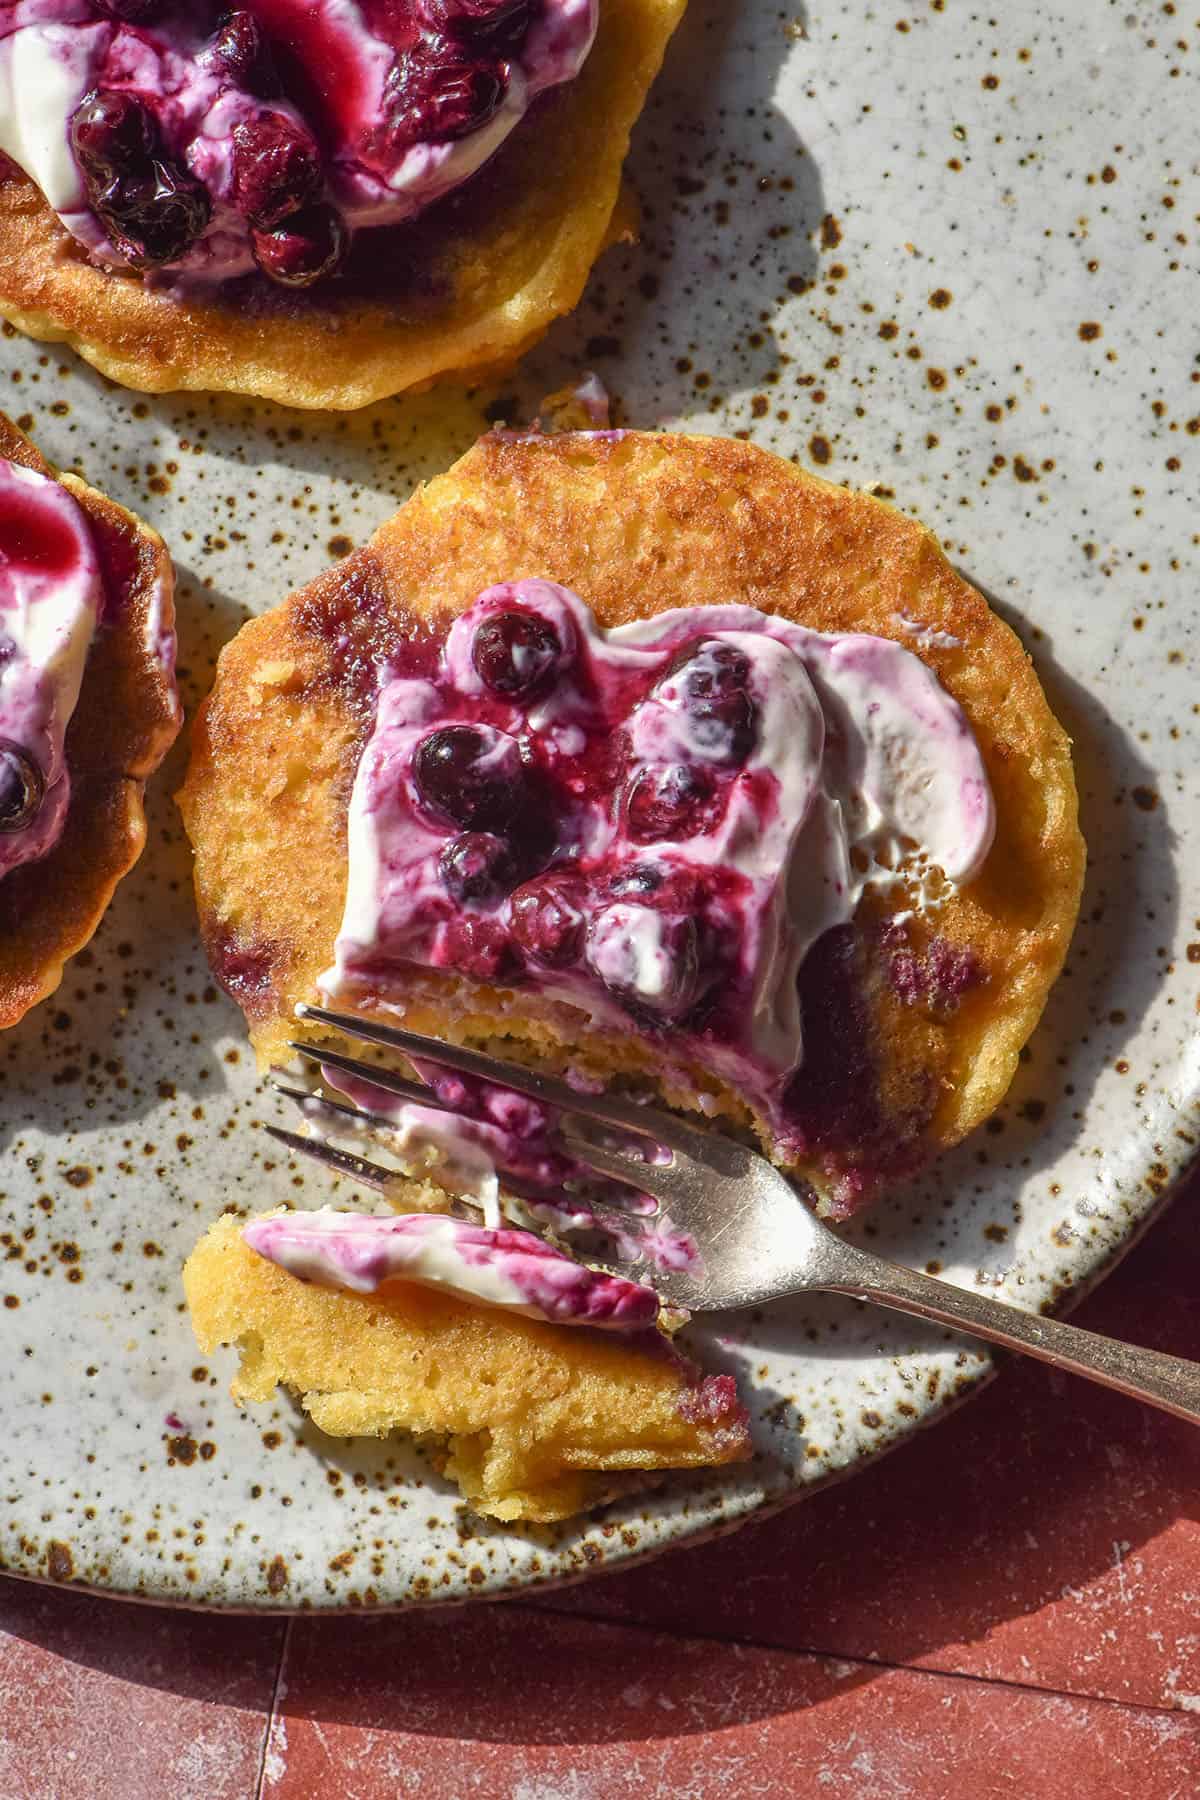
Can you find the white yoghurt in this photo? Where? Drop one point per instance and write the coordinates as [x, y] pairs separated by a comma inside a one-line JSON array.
[[511, 1270]]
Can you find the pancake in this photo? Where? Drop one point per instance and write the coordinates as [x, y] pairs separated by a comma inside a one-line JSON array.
[[127, 717], [541, 1421], [478, 278], [913, 1024]]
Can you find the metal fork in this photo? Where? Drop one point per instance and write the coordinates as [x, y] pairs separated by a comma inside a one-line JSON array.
[[756, 1239]]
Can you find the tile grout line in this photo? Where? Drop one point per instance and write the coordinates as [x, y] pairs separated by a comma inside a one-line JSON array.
[[284, 1646], [861, 1662]]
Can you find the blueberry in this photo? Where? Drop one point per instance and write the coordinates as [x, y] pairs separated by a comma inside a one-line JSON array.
[[112, 134], [470, 775], [154, 218], [671, 802], [237, 49], [641, 878], [307, 246], [713, 681], [276, 169], [499, 25], [152, 210], [438, 92], [22, 787], [547, 921], [476, 866], [516, 654], [650, 960], [247, 968], [480, 948], [669, 886]]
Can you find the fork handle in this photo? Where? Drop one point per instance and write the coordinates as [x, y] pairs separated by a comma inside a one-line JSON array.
[[1169, 1382]]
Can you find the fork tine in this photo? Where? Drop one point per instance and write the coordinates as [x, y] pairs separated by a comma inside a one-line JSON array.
[[368, 1174], [305, 1097], [372, 1175], [661, 1180], [609, 1109], [342, 1162], [622, 1165], [370, 1072]]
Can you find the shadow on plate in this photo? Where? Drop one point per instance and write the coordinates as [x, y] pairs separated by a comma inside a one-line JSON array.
[[759, 222]]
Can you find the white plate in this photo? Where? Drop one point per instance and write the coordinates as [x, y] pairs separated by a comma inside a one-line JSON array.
[[813, 188]]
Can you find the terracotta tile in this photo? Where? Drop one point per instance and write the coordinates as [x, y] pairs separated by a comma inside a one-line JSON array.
[[515, 1705], [106, 1701], [1047, 1534]]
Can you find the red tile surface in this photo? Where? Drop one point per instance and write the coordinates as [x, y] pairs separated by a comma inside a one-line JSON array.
[[104, 1701], [515, 1705], [1048, 1534]]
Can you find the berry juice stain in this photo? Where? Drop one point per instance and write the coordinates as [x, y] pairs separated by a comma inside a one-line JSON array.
[[34, 540]]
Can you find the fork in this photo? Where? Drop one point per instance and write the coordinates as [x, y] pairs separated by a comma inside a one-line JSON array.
[[756, 1240]]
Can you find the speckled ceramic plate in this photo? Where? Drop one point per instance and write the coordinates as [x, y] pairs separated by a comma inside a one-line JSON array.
[[948, 256]]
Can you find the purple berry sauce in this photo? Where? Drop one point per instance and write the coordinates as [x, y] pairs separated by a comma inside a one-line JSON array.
[[246, 968], [934, 980]]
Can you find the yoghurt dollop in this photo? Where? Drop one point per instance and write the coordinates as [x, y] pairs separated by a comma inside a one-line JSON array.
[[51, 596], [513, 1270], [654, 824], [183, 137]]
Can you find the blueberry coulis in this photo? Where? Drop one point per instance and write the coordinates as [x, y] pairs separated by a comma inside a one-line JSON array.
[[654, 826], [211, 142]]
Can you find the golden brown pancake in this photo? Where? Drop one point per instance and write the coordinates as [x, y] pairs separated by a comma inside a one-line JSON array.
[[899, 1065], [126, 720], [541, 1420], [483, 274]]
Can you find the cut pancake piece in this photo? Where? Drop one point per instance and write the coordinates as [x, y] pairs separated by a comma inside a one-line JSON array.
[[914, 1008], [123, 721], [540, 1421]]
